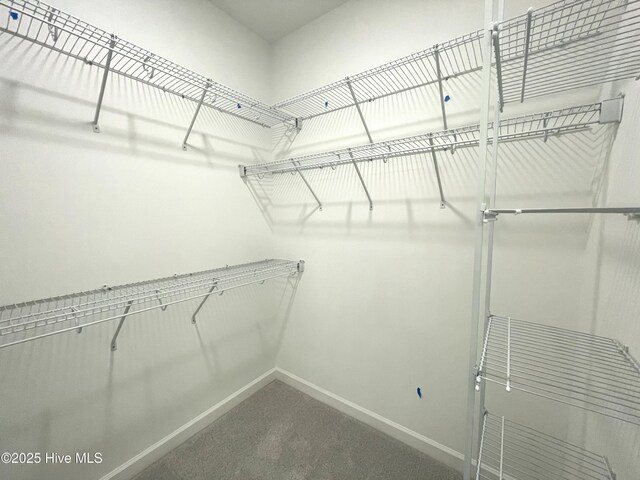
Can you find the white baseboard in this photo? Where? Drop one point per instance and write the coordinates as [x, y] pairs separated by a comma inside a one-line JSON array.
[[436, 450], [156, 451]]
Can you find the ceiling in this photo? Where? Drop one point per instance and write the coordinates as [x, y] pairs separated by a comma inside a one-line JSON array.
[[274, 19]]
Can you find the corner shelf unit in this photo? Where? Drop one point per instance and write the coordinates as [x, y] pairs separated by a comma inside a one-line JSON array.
[[47, 26], [525, 127], [509, 450], [28, 321], [587, 371]]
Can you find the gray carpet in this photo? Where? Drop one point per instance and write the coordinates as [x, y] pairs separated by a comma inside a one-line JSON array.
[[281, 433]]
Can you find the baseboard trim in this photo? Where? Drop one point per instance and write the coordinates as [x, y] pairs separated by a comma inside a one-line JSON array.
[[156, 451], [436, 450]]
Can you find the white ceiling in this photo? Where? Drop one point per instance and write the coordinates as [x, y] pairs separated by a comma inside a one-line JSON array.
[[274, 19]]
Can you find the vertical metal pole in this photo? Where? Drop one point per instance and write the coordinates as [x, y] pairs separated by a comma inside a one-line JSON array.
[[103, 86], [361, 180], [527, 41], [355, 100], [307, 184], [114, 345], [509, 354], [435, 165], [193, 317], [195, 114], [502, 451], [484, 426], [496, 45], [439, 73], [479, 244]]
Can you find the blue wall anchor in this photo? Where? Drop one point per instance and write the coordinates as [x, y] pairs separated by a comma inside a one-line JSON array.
[[447, 98], [13, 15], [419, 391]]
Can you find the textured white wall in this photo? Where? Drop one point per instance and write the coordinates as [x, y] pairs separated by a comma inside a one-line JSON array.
[[79, 210]]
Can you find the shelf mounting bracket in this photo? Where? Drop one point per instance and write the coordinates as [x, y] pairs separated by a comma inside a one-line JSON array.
[[114, 344], [213, 287], [355, 101], [496, 46], [436, 55], [103, 85], [295, 165], [527, 44], [443, 204], [195, 114], [364, 185]]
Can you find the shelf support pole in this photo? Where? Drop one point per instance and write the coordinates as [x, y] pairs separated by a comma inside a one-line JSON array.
[[436, 55], [195, 115], [355, 101], [114, 344], [307, 184], [364, 185], [496, 46], [443, 204], [213, 287], [527, 42], [103, 85]]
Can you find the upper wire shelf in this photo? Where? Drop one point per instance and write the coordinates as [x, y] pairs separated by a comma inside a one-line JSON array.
[[578, 369], [567, 45], [47, 26], [440, 62], [509, 450], [41, 318], [538, 125]]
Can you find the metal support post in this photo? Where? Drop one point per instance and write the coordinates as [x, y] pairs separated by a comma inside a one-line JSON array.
[[307, 184], [114, 345], [496, 46], [103, 86], [527, 44], [436, 55], [195, 115], [361, 180], [355, 101], [435, 165]]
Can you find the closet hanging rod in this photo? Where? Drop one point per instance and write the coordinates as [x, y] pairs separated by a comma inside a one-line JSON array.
[[590, 372], [28, 321], [510, 450], [49, 27], [539, 125], [631, 212]]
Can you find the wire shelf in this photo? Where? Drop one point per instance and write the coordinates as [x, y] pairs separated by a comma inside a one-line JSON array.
[[523, 127], [569, 44], [578, 369], [47, 26], [41, 318], [509, 450], [441, 62]]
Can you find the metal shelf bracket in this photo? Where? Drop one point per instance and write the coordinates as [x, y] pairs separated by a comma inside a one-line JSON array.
[[103, 85], [195, 114], [436, 56], [295, 165], [355, 101], [443, 203], [364, 185], [527, 44], [213, 287], [496, 46], [114, 344]]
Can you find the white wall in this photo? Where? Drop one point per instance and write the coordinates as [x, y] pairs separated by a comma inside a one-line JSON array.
[[386, 304], [79, 210]]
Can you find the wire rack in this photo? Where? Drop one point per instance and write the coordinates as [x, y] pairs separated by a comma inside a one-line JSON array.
[[440, 62], [568, 44], [41, 318], [47, 26], [591, 372], [539, 125], [509, 450]]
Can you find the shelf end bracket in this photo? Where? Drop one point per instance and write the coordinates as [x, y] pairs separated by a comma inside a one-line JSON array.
[[103, 85]]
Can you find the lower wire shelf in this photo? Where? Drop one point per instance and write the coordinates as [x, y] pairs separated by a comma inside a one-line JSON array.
[[509, 450], [27, 321], [579, 369]]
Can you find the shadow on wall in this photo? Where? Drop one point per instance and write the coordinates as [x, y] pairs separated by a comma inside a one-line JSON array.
[[132, 118], [163, 362], [567, 170]]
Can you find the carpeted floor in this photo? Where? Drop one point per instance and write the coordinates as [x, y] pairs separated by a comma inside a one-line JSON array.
[[281, 433]]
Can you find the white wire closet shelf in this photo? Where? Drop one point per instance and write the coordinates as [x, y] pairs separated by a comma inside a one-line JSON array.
[[594, 373], [41, 318], [509, 450], [45, 25], [567, 45], [538, 125]]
